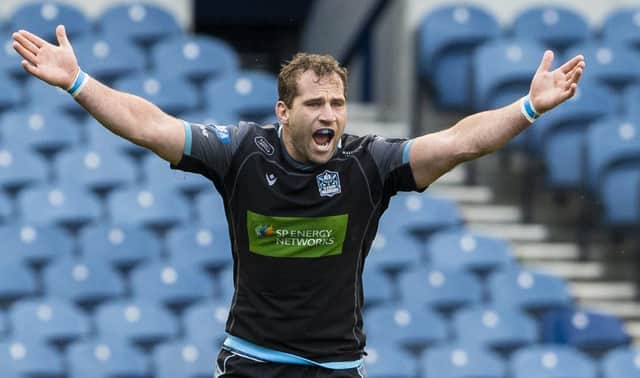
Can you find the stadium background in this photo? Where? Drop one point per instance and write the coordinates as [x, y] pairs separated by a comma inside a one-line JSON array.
[[522, 264]]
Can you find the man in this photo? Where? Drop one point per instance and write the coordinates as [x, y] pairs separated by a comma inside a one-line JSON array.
[[302, 198]]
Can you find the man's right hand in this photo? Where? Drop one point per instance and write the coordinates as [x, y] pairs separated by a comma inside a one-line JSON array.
[[56, 65]]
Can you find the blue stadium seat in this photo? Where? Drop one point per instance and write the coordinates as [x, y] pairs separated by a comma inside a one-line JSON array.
[[465, 250], [34, 244], [388, 361], [157, 172], [392, 252], [503, 329], [446, 39], [584, 329], [195, 57], [205, 321], [461, 361], [4, 324], [171, 94], [440, 289], [420, 214], [138, 321], [94, 169], [171, 284], [205, 247], [41, 95], [143, 23], [17, 281], [42, 17], [11, 93], [39, 128], [503, 70], [64, 205], [84, 281], [6, 207], [555, 27], [9, 59], [528, 290], [613, 158], [20, 168], [107, 58], [377, 287], [614, 64], [551, 361], [49, 320], [99, 137], [629, 102], [411, 326], [184, 359], [225, 285], [621, 26], [210, 209], [147, 207], [123, 246], [250, 94], [101, 358], [621, 363], [30, 358]]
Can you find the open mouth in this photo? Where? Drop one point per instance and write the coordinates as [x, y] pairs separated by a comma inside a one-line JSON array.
[[323, 137]]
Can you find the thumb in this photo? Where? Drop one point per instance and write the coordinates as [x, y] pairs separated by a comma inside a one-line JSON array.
[[61, 34], [547, 60]]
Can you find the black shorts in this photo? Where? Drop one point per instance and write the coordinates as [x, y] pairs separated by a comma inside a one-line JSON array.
[[232, 365]]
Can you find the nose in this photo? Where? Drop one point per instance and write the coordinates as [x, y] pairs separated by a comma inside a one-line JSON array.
[[327, 114]]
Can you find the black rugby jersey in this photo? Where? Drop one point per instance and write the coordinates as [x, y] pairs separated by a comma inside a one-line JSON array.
[[299, 233]]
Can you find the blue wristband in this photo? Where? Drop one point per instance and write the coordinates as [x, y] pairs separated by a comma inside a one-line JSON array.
[[79, 82], [528, 110]]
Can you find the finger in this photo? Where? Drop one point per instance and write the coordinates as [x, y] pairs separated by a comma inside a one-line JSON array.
[[25, 43], [61, 35], [25, 53], [547, 60], [39, 42], [569, 65], [30, 68], [571, 91], [576, 75]]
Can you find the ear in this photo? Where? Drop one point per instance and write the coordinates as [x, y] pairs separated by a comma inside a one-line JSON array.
[[282, 112]]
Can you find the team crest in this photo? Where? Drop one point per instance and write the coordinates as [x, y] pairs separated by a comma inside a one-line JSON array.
[[328, 183]]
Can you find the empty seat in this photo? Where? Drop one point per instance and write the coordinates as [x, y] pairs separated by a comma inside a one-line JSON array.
[[147, 207], [64, 205], [465, 250], [251, 94], [102, 358], [446, 38], [556, 27], [551, 361], [614, 64], [621, 26], [169, 283], [200, 246], [584, 329], [158, 173], [99, 137], [503, 329], [527, 290], [443, 290], [621, 362], [108, 58], [11, 93], [136, 320], [50, 320], [123, 246], [20, 168], [184, 359], [377, 287], [9, 57], [205, 321], [210, 209], [139, 22], [194, 57], [94, 169], [6, 207], [461, 361], [34, 244], [30, 359], [387, 361], [38, 128], [83, 281], [17, 281], [41, 95], [171, 94], [393, 252], [42, 17]]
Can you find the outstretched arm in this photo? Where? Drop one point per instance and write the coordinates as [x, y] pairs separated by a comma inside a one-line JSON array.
[[434, 154], [128, 116]]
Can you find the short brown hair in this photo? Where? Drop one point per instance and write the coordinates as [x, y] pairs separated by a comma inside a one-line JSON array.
[[321, 65]]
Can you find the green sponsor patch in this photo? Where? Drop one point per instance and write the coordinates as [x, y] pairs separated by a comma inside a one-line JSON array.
[[296, 236]]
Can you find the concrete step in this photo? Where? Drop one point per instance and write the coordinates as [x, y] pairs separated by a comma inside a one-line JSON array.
[[546, 251], [512, 232], [571, 270], [627, 310], [463, 194], [456, 176], [604, 290], [633, 329], [490, 213]]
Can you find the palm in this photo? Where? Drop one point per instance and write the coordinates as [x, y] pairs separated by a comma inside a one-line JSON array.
[[550, 88]]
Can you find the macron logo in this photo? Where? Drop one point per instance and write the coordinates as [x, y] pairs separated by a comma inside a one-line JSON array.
[[271, 178]]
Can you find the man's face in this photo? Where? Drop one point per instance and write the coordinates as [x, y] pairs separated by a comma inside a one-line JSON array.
[[316, 120]]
